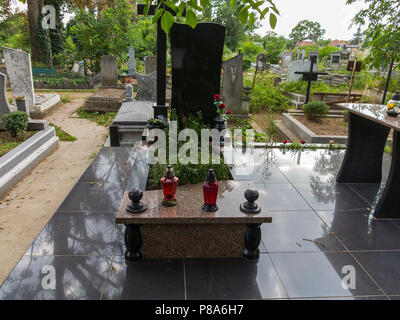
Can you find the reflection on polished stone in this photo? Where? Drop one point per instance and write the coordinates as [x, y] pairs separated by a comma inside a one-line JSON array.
[[148, 279], [230, 279], [298, 231], [376, 112], [56, 277], [77, 234], [358, 230], [317, 274]]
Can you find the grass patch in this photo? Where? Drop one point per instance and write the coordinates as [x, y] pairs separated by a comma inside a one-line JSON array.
[[62, 135], [65, 98], [102, 119], [7, 142]]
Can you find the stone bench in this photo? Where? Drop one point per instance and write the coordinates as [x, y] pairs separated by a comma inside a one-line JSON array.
[[186, 231]]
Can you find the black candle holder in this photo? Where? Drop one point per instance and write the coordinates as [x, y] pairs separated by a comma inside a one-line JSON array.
[[250, 206], [136, 206]]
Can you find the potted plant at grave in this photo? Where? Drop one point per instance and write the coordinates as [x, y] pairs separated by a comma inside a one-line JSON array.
[[220, 122], [155, 123], [393, 107], [20, 101]]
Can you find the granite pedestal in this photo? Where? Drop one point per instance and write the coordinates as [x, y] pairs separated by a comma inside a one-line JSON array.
[[186, 231]]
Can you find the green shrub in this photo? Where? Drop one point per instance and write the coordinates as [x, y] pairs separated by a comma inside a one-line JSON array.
[[314, 109], [266, 96], [15, 122], [246, 64]]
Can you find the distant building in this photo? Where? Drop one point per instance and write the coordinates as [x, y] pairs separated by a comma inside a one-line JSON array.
[[306, 43], [338, 44]]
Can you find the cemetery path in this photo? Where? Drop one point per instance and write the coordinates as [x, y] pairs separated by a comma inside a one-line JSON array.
[[26, 209]]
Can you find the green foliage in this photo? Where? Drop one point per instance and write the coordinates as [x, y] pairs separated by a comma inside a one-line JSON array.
[[111, 33], [188, 173], [266, 96], [315, 109], [325, 52], [14, 31], [248, 11], [15, 122], [56, 81], [220, 11], [382, 35], [246, 64], [274, 46], [306, 29], [250, 50]]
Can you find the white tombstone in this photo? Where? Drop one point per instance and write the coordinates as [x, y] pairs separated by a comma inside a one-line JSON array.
[[19, 69], [75, 67], [286, 59], [299, 66]]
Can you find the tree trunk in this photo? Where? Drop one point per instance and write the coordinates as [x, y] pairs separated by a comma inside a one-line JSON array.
[[33, 18]]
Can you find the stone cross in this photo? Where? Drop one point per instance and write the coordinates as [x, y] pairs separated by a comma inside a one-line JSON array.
[[132, 65], [4, 107], [232, 84], [19, 69]]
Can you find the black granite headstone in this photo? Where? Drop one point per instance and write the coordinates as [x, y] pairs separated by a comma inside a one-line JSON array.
[[196, 56]]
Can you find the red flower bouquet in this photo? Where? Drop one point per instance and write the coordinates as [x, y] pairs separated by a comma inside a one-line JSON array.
[[221, 107]]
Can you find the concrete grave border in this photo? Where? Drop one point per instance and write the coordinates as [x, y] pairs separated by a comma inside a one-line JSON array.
[[17, 163], [304, 133]]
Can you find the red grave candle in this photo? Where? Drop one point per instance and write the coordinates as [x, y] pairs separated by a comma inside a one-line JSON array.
[[169, 185], [210, 192]]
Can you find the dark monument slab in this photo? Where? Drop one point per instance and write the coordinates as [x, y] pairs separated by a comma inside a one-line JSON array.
[[196, 56]]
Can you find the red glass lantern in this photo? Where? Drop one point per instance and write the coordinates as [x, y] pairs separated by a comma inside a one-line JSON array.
[[169, 185], [210, 192]]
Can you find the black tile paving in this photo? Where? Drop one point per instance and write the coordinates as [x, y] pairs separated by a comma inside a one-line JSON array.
[[319, 229]]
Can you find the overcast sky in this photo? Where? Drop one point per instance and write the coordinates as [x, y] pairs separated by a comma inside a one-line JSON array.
[[333, 15]]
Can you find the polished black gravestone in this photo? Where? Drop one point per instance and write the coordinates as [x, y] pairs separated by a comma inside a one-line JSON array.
[[196, 68]]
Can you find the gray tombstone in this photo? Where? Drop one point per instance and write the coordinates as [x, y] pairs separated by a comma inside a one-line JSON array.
[[109, 71], [132, 65], [128, 92], [4, 107], [19, 69], [335, 60], [232, 84], [150, 64], [313, 53], [286, 59], [299, 66], [147, 87], [261, 62]]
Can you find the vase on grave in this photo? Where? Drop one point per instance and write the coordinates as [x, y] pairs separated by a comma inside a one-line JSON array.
[[210, 192], [169, 185], [21, 105], [220, 124]]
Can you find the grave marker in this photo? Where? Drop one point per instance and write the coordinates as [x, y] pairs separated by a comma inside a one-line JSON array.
[[196, 59], [132, 64], [232, 84], [4, 107], [286, 59], [150, 64], [109, 71], [19, 69]]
